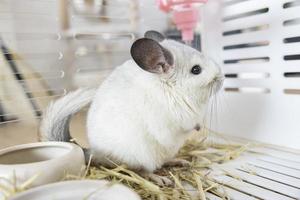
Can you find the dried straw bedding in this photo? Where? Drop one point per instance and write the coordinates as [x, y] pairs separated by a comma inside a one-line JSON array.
[[193, 181]]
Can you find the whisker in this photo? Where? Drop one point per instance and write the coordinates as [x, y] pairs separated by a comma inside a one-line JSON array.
[[211, 110], [217, 111]]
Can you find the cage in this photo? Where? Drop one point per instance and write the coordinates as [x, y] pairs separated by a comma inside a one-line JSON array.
[[50, 47]]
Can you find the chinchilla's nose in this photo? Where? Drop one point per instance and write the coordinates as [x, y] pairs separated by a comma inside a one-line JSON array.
[[219, 77], [218, 82]]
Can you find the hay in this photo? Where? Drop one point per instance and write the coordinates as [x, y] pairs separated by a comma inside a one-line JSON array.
[[189, 181], [9, 187]]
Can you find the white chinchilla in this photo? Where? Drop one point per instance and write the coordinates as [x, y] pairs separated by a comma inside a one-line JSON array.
[[143, 112]]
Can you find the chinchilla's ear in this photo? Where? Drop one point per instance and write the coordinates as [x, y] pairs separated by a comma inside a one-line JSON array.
[[154, 35], [151, 56]]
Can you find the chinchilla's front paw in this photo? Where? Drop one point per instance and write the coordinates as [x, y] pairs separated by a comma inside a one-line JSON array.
[[177, 162]]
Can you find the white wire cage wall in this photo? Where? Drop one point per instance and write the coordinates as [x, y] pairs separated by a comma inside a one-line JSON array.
[[50, 47], [256, 42]]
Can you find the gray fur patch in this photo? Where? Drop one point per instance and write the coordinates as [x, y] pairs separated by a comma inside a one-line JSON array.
[[154, 35], [151, 56]]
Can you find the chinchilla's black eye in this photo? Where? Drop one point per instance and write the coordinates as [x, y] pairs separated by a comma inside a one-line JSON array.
[[196, 70]]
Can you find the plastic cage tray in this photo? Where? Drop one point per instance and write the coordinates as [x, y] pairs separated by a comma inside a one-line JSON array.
[[265, 172]]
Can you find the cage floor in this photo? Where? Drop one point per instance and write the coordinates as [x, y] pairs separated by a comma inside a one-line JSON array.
[[21, 132], [261, 173]]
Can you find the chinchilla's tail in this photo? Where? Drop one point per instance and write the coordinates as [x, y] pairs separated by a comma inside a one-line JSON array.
[[55, 123]]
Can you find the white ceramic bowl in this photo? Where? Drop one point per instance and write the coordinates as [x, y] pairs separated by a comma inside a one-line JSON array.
[[49, 160], [79, 190]]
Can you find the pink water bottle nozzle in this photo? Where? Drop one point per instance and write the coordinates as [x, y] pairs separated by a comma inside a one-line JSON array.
[[186, 21], [185, 15]]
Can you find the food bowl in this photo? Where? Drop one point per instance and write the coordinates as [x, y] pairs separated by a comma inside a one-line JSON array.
[[78, 190], [47, 161]]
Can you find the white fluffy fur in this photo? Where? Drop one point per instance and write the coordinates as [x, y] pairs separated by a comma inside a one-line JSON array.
[[55, 123], [141, 118]]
